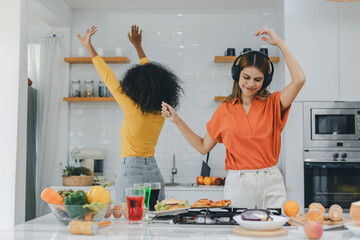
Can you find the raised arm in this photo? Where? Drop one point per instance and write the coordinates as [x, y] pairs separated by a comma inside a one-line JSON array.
[[135, 38], [289, 93], [86, 41], [202, 145]]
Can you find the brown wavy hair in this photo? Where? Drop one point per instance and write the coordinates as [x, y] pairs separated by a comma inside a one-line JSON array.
[[248, 60]]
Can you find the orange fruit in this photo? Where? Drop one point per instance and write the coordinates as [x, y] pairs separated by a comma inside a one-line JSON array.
[[291, 208], [213, 180], [207, 180], [200, 180]]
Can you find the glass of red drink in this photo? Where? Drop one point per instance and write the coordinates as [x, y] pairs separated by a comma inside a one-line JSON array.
[[135, 197]]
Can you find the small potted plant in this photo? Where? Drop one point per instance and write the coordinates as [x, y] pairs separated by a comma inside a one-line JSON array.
[[77, 176]]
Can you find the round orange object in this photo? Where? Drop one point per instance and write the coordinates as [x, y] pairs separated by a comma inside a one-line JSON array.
[[213, 180], [291, 208], [207, 181]]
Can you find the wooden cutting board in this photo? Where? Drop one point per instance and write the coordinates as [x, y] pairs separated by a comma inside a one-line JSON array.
[[301, 219], [253, 233]]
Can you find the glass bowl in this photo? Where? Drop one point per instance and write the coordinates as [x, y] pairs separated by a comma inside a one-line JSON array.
[[78, 212]]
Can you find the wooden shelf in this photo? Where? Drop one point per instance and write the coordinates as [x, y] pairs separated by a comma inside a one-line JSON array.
[[219, 98], [89, 99], [82, 60], [231, 59]]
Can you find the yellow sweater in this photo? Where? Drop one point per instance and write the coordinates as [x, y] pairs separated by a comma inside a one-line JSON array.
[[139, 133]]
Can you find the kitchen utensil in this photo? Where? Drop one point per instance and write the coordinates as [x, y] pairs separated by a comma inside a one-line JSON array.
[[86, 228], [63, 216], [336, 228], [171, 212], [205, 169], [276, 223], [253, 233], [301, 219]]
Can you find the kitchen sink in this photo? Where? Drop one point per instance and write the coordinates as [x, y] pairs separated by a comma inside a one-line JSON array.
[[180, 185]]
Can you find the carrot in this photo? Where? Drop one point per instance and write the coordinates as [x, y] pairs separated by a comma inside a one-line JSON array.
[[89, 216], [104, 224], [51, 196]]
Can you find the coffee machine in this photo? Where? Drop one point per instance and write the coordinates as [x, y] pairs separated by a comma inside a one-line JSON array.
[[90, 158]]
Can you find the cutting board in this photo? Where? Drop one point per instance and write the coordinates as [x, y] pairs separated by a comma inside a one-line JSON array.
[[253, 233], [301, 219]]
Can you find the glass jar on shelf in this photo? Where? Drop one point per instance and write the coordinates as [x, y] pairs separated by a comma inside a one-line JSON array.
[[108, 93], [101, 89], [75, 88], [89, 88]]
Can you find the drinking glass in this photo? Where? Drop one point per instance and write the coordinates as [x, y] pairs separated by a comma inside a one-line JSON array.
[[135, 197], [154, 195], [147, 187]]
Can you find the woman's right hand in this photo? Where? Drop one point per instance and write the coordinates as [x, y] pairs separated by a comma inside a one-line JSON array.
[[86, 40], [135, 36], [168, 112]]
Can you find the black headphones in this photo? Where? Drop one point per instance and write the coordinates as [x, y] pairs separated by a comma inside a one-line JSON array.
[[235, 69]]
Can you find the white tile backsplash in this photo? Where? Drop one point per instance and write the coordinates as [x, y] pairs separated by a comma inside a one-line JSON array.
[[185, 41]]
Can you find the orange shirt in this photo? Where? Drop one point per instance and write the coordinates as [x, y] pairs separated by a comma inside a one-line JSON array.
[[252, 140]]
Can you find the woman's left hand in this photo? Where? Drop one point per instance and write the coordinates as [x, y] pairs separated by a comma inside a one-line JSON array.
[[86, 40], [273, 39]]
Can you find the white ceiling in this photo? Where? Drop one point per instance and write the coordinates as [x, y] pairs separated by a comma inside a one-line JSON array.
[[169, 4]]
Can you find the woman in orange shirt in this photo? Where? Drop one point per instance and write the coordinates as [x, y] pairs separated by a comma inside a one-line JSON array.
[[249, 123]]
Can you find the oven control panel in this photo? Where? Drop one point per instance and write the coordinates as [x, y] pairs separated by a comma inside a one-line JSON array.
[[335, 155]]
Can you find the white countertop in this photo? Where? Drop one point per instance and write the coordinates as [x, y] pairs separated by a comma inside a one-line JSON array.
[[171, 188], [47, 227]]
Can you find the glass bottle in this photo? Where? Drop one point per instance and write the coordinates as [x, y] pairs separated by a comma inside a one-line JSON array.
[[102, 89], [89, 88], [75, 85]]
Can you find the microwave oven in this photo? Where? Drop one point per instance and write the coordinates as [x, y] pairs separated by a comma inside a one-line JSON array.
[[331, 124]]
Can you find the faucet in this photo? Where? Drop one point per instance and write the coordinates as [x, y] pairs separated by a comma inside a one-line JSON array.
[[173, 170]]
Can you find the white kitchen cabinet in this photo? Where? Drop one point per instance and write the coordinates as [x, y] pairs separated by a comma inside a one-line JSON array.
[[311, 33], [349, 51], [193, 194]]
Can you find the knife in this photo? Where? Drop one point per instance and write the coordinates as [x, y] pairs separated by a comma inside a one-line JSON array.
[[336, 228]]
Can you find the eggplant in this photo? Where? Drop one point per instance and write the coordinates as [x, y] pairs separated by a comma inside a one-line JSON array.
[[256, 215]]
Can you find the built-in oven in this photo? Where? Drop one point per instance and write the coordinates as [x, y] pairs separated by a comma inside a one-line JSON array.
[[331, 153], [331, 124], [332, 177]]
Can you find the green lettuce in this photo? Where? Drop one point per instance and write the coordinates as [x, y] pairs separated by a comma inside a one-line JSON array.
[[161, 206], [96, 207]]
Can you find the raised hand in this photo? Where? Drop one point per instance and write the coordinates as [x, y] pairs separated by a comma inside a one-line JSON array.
[[86, 40], [168, 112], [273, 39], [135, 36]]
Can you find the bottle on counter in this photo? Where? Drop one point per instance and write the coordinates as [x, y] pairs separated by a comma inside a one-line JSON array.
[[75, 86], [101, 89], [89, 88]]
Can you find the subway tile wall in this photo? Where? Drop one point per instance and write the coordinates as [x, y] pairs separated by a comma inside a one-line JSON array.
[[185, 41]]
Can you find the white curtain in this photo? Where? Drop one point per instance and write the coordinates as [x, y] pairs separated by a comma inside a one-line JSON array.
[[49, 100]]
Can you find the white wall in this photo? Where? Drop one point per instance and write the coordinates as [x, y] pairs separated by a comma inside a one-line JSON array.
[[187, 42], [13, 107]]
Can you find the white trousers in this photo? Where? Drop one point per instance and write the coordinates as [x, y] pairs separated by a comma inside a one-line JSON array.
[[261, 188]]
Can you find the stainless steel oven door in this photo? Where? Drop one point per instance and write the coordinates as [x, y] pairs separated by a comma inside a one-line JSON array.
[[334, 124], [332, 183]]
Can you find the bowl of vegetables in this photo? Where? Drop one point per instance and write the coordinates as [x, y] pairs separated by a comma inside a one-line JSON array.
[[69, 205]]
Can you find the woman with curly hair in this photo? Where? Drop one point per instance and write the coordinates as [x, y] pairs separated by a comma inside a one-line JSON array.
[[139, 94]]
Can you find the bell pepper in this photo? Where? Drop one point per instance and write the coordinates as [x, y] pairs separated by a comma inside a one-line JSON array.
[[98, 194], [74, 204]]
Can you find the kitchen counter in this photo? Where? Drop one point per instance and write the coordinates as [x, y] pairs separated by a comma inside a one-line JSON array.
[[172, 188], [47, 227]]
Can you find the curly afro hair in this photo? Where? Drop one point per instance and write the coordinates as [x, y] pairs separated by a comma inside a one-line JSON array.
[[150, 84]]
